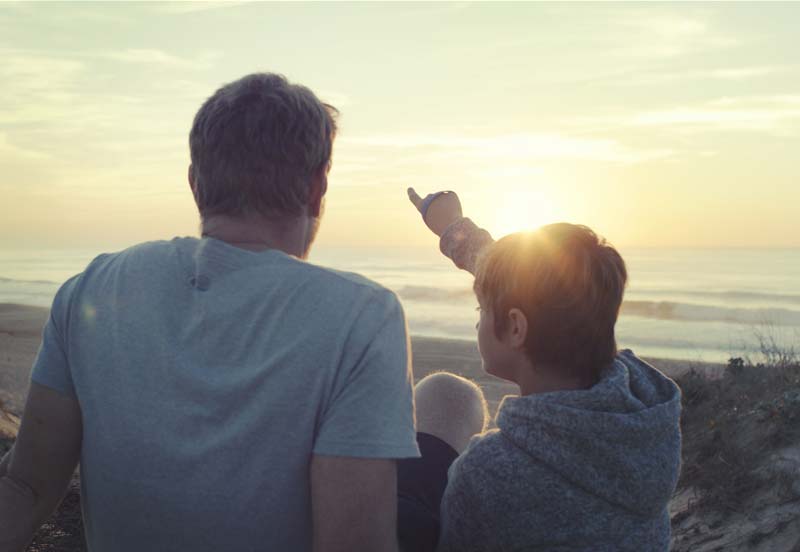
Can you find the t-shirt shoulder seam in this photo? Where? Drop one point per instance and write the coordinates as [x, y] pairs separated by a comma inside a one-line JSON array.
[[110, 257], [351, 277]]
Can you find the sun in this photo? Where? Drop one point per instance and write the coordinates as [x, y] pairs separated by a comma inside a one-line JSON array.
[[521, 209]]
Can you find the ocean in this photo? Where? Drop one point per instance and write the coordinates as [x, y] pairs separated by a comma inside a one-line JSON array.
[[691, 304]]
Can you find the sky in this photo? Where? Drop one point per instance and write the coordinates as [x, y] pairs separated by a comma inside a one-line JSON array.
[[657, 124]]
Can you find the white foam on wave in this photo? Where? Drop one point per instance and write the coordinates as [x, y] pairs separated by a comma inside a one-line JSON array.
[[668, 310]]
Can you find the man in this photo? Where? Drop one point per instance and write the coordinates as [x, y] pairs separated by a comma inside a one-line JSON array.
[[222, 393]]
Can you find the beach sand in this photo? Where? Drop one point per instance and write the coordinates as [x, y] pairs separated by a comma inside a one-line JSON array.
[[20, 331], [20, 335], [21, 328]]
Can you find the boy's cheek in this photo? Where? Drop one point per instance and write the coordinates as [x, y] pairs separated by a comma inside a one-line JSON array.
[[485, 349]]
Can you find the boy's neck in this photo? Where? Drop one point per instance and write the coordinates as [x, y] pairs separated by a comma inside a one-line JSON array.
[[545, 379]]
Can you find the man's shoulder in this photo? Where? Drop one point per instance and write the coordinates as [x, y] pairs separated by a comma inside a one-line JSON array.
[[346, 286], [351, 278], [95, 271], [153, 250], [105, 261]]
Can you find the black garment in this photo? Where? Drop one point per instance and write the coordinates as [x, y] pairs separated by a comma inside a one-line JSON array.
[[420, 486]]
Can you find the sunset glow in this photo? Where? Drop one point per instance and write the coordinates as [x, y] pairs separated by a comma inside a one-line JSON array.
[[655, 124], [520, 209]]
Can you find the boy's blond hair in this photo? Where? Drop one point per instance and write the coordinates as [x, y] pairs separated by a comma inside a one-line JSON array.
[[569, 284]]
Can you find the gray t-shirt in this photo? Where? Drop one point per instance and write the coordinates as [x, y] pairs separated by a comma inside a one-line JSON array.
[[207, 376]]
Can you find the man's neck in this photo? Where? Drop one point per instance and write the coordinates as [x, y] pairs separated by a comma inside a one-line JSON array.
[[257, 233]]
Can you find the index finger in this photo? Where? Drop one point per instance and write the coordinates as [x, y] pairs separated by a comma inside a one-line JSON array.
[[413, 196]]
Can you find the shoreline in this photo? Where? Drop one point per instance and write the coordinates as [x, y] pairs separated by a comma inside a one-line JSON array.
[[21, 327]]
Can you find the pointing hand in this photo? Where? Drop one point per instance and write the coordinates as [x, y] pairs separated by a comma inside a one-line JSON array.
[[439, 210]]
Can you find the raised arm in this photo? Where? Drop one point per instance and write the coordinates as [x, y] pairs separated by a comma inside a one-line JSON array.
[[460, 239], [34, 475]]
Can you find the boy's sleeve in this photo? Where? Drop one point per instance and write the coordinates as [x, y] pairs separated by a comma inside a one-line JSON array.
[[463, 242], [51, 367], [371, 410]]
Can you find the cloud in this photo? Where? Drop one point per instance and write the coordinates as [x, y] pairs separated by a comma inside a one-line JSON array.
[[519, 146], [57, 94], [740, 73], [648, 78], [180, 8], [35, 72], [774, 100], [432, 9], [37, 87], [143, 55], [772, 113], [11, 151], [62, 110], [668, 35], [62, 12], [153, 57]]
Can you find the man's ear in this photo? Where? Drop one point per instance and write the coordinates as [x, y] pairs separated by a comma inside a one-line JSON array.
[[517, 331], [319, 186], [192, 182]]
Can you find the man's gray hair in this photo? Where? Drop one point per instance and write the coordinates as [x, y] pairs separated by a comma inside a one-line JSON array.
[[255, 145]]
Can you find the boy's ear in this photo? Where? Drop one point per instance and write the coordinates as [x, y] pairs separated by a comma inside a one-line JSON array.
[[517, 328]]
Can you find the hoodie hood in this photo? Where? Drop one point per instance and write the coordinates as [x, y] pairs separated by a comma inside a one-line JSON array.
[[619, 440]]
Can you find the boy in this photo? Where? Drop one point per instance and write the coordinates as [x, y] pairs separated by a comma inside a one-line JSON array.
[[587, 457]]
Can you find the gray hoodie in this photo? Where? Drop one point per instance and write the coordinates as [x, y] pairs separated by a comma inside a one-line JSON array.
[[571, 470]]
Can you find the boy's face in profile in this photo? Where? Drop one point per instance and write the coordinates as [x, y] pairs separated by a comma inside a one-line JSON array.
[[495, 353]]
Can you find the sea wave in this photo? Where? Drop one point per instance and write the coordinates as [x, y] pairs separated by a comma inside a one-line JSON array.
[[435, 294], [21, 282], [734, 295], [660, 310], [668, 310], [440, 294]]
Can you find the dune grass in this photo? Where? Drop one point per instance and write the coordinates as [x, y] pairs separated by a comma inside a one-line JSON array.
[[733, 425]]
